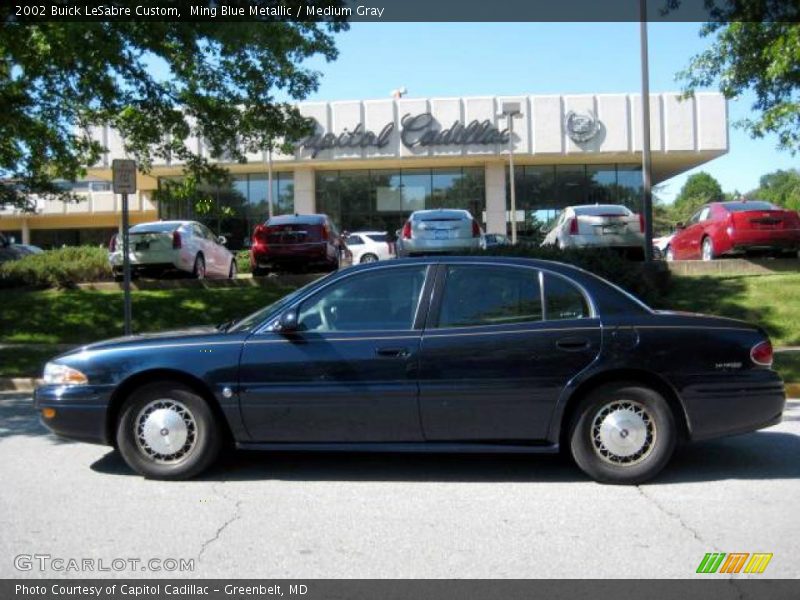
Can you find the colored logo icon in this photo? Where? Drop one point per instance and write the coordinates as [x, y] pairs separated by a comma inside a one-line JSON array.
[[734, 562]]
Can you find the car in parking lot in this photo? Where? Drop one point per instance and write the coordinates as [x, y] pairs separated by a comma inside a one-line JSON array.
[[735, 228], [296, 242], [369, 246], [438, 231], [447, 354], [493, 240], [597, 225], [178, 246]]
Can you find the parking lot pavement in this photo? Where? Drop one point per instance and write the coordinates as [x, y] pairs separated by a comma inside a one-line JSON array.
[[345, 515]]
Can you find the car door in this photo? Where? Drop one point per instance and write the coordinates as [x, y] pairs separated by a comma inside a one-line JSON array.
[[349, 374], [500, 345], [220, 254], [692, 235], [356, 245]]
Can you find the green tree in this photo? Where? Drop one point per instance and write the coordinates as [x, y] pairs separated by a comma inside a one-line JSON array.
[[756, 46], [699, 189], [58, 79], [779, 187]]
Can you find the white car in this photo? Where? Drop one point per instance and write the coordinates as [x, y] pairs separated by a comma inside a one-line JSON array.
[[661, 244], [369, 246], [163, 246], [593, 225]]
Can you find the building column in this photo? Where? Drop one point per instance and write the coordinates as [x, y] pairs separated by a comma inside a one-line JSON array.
[[304, 191], [26, 232], [495, 182]]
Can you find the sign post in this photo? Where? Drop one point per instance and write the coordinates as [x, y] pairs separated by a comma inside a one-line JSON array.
[[124, 183]]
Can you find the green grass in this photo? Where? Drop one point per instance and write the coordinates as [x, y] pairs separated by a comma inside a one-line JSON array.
[[82, 316], [788, 365], [772, 301], [26, 361]]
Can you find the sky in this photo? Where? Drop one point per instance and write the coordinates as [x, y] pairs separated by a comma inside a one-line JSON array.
[[496, 59]]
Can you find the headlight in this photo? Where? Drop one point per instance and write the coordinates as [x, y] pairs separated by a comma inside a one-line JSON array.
[[56, 374]]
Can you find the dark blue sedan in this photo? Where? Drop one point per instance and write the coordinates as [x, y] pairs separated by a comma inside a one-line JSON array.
[[434, 355]]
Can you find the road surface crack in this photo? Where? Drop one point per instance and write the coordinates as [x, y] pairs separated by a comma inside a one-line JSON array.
[[237, 514], [677, 517]]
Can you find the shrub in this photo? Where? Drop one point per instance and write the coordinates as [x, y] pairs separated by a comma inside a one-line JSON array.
[[63, 267], [243, 261], [647, 283]]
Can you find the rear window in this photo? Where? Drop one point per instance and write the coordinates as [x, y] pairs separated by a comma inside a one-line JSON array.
[[378, 237], [154, 227], [753, 205], [603, 210], [442, 215]]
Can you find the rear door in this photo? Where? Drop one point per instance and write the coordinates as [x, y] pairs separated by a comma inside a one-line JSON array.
[[501, 344]]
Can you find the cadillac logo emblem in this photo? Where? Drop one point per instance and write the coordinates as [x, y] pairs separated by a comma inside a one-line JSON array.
[[581, 127]]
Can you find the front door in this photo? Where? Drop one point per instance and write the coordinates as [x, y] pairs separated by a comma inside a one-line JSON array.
[[501, 346], [350, 372]]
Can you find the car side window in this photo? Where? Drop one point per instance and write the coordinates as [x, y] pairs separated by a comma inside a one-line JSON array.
[[563, 300], [354, 240], [375, 301], [695, 218], [705, 214], [490, 295]]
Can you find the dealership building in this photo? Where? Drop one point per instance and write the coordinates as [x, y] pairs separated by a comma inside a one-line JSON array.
[[372, 162]]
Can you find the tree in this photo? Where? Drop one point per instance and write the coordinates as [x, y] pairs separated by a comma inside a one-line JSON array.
[[756, 47], [59, 79], [779, 187], [699, 189]]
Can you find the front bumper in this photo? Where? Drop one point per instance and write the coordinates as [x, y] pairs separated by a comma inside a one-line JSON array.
[[81, 411], [734, 404]]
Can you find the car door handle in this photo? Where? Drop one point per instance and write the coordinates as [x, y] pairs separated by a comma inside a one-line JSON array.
[[573, 344], [393, 352]]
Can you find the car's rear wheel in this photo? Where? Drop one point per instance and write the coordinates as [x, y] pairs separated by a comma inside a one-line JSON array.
[[166, 431], [369, 258], [199, 270], [670, 254], [708, 249], [623, 433], [232, 271]]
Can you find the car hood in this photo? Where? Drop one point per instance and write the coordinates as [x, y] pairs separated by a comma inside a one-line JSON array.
[[163, 337]]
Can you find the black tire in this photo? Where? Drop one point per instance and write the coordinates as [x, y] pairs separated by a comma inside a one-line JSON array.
[[232, 272], [369, 257], [199, 269], [203, 439], [707, 241], [259, 272], [633, 464]]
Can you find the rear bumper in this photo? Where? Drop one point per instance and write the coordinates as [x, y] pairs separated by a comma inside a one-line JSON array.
[[261, 256], [765, 240], [81, 411], [411, 247], [603, 241], [737, 405], [155, 260]]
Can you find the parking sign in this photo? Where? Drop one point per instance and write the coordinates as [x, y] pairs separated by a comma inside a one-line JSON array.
[[124, 176]]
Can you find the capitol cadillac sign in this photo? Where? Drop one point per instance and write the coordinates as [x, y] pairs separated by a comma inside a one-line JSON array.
[[422, 130], [415, 131]]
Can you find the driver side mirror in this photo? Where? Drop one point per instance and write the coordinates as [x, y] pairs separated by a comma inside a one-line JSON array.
[[287, 322], [222, 240], [680, 225]]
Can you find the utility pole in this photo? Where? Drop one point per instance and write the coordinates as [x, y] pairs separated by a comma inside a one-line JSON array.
[[647, 192], [124, 183]]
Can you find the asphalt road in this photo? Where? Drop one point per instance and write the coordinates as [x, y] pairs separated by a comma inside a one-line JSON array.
[[307, 516]]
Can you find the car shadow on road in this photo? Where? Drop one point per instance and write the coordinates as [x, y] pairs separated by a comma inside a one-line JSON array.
[[761, 455]]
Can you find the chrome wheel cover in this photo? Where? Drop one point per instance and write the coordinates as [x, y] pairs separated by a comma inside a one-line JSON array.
[[708, 250], [623, 433], [165, 431]]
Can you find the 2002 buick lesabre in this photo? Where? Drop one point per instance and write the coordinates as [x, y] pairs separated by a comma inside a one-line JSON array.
[[449, 354]]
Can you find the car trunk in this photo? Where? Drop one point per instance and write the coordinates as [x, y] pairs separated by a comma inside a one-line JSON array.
[[443, 227], [608, 223], [292, 239], [149, 241], [763, 220]]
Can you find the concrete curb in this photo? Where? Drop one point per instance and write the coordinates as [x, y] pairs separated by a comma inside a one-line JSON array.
[[734, 266]]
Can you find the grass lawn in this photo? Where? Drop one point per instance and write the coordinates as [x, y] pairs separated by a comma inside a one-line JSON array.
[[772, 301]]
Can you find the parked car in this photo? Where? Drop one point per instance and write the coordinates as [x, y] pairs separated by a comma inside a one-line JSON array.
[[11, 251], [597, 225], [28, 249], [164, 246], [493, 240], [294, 242], [369, 246], [445, 354], [436, 231], [736, 227]]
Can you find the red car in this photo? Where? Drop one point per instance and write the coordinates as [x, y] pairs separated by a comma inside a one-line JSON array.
[[736, 227], [296, 242]]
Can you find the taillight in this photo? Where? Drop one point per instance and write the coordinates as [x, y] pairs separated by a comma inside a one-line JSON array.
[[761, 354], [177, 242], [573, 226], [641, 223], [325, 232], [112, 243], [407, 230], [260, 235], [476, 229]]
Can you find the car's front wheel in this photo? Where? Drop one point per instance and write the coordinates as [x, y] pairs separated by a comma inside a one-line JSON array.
[[623, 433], [708, 249], [167, 431], [199, 270]]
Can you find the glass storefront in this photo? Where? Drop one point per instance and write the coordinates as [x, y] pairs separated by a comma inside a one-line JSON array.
[[238, 207], [382, 199], [56, 238], [542, 192]]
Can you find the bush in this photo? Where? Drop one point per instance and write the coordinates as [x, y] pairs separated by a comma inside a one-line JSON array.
[[243, 261], [647, 283], [63, 267]]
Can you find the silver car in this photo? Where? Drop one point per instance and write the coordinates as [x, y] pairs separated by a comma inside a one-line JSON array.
[[593, 225], [439, 231]]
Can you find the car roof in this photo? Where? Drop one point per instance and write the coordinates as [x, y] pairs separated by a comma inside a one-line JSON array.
[[369, 233]]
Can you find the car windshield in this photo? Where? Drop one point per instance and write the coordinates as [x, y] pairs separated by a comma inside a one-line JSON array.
[[752, 205], [252, 321], [154, 227]]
